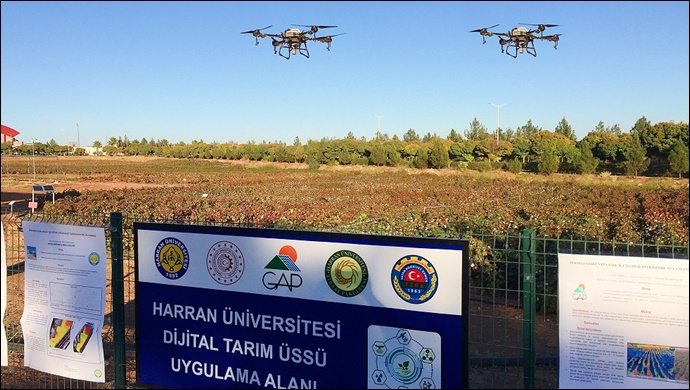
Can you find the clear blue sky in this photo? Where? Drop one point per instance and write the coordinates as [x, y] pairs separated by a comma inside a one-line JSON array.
[[181, 71]]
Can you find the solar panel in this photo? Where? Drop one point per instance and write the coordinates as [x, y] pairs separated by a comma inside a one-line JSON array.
[[44, 188]]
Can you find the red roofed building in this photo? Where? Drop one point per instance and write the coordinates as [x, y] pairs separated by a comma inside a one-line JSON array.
[[8, 134]]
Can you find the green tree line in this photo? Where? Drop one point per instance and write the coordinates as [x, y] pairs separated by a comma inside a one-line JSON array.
[[647, 149]]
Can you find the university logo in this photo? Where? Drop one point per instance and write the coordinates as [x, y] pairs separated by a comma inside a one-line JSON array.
[[346, 273], [94, 258], [225, 262], [172, 258], [414, 279], [283, 270]]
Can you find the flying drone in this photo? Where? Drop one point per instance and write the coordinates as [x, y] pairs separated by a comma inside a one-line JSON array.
[[293, 40], [520, 38]]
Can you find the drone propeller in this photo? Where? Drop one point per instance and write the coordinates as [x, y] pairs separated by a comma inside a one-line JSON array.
[[552, 38], [256, 32], [326, 39], [313, 29], [540, 27], [484, 32], [312, 26]]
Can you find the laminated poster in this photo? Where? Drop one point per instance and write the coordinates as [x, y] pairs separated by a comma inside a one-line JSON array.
[[64, 300]]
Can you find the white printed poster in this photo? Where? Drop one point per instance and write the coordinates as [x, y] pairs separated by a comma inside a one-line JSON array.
[[3, 305], [623, 322], [64, 300]]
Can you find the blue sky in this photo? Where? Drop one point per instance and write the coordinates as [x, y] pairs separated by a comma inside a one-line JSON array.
[[181, 71]]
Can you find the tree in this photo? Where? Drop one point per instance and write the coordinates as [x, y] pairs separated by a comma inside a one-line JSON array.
[[97, 145], [660, 138], [603, 144], [546, 141], [586, 162], [421, 159], [521, 148], [476, 132], [678, 158], [438, 156], [615, 129], [454, 136], [641, 126], [548, 162], [564, 128], [410, 136], [514, 166], [378, 154], [528, 130], [635, 155]]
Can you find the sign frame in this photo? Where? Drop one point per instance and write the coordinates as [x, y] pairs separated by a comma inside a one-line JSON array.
[[215, 310]]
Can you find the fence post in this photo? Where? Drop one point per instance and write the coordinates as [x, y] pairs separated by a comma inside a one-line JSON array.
[[118, 290], [529, 303]]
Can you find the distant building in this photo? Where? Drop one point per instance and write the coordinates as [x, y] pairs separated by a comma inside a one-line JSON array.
[[9, 134]]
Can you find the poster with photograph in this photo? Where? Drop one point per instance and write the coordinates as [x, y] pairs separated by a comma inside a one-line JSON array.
[[64, 300], [623, 322]]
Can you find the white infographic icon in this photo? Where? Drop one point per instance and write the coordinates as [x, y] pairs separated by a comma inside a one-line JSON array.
[[403, 358]]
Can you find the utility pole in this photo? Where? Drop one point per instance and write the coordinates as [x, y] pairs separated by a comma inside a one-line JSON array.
[[498, 119], [78, 143], [378, 131], [33, 157]]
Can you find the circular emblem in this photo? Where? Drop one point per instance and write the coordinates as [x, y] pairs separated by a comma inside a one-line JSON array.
[[172, 258], [225, 262], [414, 279], [94, 258], [346, 273], [404, 365]]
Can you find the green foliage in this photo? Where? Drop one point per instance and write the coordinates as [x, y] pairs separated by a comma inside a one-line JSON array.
[[481, 165], [660, 138], [528, 130], [438, 156], [636, 160], [421, 159], [564, 129], [477, 131], [678, 159], [585, 162], [483, 270], [548, 163], [378, 154], [514, 166]]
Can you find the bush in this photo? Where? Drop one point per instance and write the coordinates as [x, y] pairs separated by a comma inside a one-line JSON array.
[[513, 166]]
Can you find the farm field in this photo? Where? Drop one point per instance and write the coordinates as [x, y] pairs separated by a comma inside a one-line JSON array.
[[358, 199], [377, 200]]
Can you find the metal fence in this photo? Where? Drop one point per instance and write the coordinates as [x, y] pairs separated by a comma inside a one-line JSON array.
[[513, 313]]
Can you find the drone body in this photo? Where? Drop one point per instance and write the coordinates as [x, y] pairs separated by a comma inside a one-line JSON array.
[[293, 40], [521, 39]]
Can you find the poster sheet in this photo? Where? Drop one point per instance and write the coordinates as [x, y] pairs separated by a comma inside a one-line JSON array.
[[623, 322], [3, 303], [64, 299], [222, 307]]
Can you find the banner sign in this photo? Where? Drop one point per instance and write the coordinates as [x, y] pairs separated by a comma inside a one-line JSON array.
[[228, 307]]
